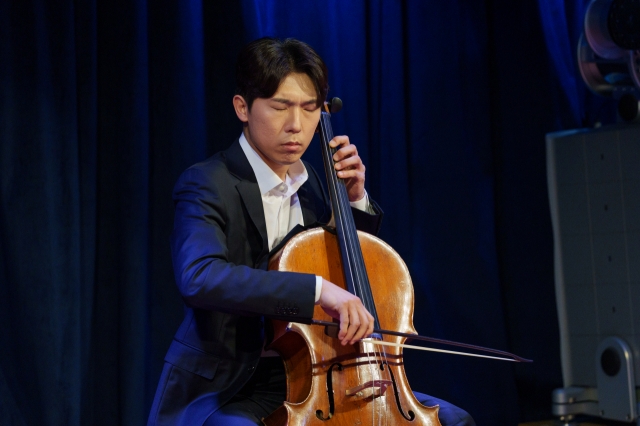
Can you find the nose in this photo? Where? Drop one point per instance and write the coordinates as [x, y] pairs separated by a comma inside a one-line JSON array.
[[294, 124]]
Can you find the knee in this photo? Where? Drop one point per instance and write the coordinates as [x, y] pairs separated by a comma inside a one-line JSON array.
[[448, 414]]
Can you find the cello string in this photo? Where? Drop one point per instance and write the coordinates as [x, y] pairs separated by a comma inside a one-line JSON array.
[[368, 364], [355, 256], [339, 192], [338, 215], [344, 223], [353, 266], [338, 209], [379, 404], [362, 285], [357, 272]]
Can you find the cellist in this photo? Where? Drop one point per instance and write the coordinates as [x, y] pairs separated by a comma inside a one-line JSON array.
[[234, 209]]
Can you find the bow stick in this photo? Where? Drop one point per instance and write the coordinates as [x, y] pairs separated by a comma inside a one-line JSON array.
[[505, 356]]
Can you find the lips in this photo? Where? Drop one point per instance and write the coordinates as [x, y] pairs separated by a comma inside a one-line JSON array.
[[292, 146]]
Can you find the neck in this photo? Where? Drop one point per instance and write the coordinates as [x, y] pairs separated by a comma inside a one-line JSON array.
[[281, 172]]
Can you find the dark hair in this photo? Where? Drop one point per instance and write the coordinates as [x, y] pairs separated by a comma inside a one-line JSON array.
[[264, 63]]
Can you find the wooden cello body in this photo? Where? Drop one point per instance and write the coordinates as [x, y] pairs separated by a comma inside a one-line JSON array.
[[320, 369], [360, 384]]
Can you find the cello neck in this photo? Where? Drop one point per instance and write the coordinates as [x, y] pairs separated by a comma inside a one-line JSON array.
[[355, 273]]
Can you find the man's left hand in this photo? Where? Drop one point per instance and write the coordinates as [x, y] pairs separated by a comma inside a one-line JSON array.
[[349, 166]]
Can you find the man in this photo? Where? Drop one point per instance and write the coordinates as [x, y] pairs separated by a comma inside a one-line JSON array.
[[232, 211]]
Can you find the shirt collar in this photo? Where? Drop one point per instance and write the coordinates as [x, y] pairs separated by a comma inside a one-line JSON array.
[[267, 178]]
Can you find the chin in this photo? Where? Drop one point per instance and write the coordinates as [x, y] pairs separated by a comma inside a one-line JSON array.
[[289, 162]]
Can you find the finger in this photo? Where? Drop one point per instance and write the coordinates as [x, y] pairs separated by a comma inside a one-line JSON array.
[[339, 140], [365, 324], [353, 173], [348, 175], [371, 324], [345, 152], [354, 325], [350, 163], [344, 323]]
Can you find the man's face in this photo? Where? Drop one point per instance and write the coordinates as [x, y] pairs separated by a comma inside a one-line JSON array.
[[280, 128]]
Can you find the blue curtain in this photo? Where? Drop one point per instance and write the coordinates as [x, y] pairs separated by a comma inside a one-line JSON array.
[[104, 103]]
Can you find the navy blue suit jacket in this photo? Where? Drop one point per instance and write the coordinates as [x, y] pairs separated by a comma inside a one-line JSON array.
[[220, 256]]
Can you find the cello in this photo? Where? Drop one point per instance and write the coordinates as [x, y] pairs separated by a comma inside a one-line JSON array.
[[363, 383]]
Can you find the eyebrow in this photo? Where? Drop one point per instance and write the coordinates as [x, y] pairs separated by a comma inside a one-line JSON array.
[[288, 102]]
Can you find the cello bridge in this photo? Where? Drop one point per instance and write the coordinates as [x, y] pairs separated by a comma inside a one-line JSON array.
[[379, 387]]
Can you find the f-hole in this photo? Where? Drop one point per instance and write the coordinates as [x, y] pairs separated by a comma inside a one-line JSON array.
[[319, 413], [412, 415]]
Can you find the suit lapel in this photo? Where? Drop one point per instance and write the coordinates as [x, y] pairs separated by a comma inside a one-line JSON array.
[[250, 193], [308, 203], [314, 206], [248, 189]]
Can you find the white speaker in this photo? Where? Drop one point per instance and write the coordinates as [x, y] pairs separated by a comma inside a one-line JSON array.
[[594, 194]]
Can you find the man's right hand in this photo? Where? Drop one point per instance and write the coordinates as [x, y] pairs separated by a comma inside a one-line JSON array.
[[355, 321]]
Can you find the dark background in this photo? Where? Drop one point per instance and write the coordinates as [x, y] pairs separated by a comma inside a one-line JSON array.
[[104, 103]]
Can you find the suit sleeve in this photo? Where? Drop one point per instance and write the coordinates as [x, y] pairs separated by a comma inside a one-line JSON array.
[[207, 276], [368, 221]]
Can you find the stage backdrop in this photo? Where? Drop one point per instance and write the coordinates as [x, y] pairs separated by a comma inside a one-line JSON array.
[[104, 103]]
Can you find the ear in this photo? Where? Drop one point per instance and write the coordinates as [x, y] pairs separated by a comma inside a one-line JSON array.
[[241, 107]]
